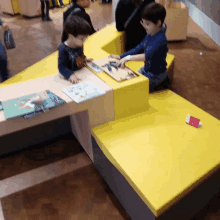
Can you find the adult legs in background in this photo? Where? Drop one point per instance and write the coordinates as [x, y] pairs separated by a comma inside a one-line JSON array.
[[47, 12], [3, 63], [155, 80], [61, 3], [42, 11], [54, 3]]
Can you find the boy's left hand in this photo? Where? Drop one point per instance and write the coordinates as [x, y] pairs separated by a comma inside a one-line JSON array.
[[89, 59], [122, 62]]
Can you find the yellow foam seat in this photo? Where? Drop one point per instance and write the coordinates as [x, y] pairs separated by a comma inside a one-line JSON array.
[[160, 155]]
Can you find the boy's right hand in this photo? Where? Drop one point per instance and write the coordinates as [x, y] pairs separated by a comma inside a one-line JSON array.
[[115, 56], [73, 79]]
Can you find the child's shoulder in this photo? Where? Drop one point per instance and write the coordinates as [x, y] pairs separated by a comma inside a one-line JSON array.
[[161, 37], [62, 47]]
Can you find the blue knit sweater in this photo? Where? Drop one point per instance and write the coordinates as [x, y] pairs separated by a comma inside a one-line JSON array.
[[67, 60], [155, 48]]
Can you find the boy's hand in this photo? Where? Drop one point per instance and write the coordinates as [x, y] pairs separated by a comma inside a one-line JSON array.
[[89, 59], [73, 79], [114, 56], [122, 62]]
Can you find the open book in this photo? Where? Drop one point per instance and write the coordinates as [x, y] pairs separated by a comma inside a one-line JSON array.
[[109, 66], [83, 91], [31, 105]]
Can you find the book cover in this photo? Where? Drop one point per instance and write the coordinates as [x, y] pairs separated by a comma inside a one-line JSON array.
[[34, 103], [83, 91], [50, 101], [20, 106], [94, 67], [109, 66]]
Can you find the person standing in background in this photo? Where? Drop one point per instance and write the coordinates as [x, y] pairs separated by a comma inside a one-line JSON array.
[[77, 8], [45, 17], [134, 31], [61, 4]]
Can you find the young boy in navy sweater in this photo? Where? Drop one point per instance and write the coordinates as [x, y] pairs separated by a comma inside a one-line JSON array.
[[154, 45], [71, 56]]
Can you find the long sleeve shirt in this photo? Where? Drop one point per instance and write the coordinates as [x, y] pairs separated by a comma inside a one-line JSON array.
[[76, 10], [135, 32], [67, 60], [155, 49]]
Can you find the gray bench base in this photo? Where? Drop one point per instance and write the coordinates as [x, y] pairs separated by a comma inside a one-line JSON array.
[[185, 209]]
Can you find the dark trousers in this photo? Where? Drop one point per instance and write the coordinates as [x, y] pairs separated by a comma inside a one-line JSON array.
[[42, 9], [3, 63], [54, 3]]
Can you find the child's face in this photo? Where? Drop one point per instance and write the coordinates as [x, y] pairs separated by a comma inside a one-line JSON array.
[[150, 27], [79, 40], [84, 3]]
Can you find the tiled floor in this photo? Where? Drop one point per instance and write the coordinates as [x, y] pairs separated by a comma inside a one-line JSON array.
[[56, 180]]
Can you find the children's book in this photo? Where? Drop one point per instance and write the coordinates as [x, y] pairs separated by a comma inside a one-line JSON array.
[[52, 101], [109, 65], [94, 67], [34, 103], [83, 91]]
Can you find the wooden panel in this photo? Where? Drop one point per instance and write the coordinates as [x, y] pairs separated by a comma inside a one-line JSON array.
[[176, 21], [81, 129], [7, 6], [30, 9]]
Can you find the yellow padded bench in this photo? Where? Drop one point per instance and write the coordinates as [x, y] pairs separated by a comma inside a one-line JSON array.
[[161, 157]]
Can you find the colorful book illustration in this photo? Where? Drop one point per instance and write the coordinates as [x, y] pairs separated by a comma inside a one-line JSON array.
[[94, 67], [33, 103], [50, 102], [109, 65], [83, 91]]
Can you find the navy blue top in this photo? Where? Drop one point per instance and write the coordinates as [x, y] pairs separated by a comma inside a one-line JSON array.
[[67, 60], [155, 49]]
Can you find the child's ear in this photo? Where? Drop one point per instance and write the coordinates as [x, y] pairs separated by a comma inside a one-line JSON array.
[[159, 23]]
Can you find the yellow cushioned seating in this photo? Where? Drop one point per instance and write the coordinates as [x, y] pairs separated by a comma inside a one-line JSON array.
[[160, 155]]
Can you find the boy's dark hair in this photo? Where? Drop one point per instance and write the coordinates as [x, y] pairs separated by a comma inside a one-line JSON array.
[[76, 25], [154, 12], [74, 1]]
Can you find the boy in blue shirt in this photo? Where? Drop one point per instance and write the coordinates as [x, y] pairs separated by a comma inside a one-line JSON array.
[[154, 45], [71, 56]]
